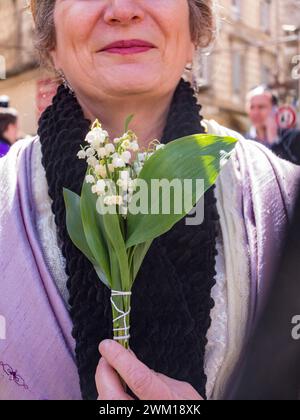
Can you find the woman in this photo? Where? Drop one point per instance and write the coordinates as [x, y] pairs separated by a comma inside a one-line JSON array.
[[199, 288]]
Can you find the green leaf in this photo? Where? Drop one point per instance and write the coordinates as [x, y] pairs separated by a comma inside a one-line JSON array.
[[111, 222], [138, 254], [94, 234], [102, 276], [193, 158], [128, 121], [74, 223], [114, 268], [76, 232]]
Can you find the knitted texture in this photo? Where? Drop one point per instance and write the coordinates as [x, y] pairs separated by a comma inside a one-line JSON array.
[[171, 299]]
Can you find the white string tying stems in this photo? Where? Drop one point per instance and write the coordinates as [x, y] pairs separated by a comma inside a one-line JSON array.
[[122, 315]]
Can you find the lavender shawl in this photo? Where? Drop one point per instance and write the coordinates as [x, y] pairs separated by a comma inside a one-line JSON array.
[[37, 357]]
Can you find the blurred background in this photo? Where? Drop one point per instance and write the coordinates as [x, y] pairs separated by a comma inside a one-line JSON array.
[[258, 43]]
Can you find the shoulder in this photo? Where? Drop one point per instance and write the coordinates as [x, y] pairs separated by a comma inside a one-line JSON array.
[[252, 153], [254, 168], [20, 151], [212, 127], [16, 167], [244, 148]]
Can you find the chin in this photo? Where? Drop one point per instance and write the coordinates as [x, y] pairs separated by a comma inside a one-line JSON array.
[[130, 76], [130, 84]]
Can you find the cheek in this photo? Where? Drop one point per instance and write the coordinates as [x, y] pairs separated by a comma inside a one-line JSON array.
[[74, 24], [176, 22]]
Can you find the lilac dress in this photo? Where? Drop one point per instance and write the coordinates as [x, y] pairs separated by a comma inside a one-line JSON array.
[[4, 148]]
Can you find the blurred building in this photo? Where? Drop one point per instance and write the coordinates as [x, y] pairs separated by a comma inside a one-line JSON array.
[[21, 79], [251, 48], [288, 81]]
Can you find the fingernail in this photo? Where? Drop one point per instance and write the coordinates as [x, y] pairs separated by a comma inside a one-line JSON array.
[[131, 352], [105, 345]]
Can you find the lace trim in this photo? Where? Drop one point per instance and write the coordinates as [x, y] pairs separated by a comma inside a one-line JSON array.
[[217, 334], [45, 224]]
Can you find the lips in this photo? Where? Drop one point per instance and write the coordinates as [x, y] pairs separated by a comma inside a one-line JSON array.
[[131, 46]]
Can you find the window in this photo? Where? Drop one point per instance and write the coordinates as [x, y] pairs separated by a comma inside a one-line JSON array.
[[238, 73], [265, 15], [265, 75], [236, 9]]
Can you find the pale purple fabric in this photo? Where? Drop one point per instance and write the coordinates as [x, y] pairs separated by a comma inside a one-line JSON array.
[[269, 187], [38, 344], [38, 341]]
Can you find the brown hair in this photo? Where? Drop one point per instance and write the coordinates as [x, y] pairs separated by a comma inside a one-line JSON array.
[[202, 22]]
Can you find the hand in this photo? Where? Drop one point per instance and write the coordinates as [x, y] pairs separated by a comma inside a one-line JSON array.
[[146, 384]]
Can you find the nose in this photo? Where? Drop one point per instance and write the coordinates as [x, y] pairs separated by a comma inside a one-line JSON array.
[[123, 12]]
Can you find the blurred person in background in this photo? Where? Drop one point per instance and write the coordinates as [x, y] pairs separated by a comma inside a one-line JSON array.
[[8, 129], [209, 279], [4, 101], [262, 108]]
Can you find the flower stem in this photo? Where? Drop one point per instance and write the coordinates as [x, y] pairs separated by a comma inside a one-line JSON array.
[[121, 319]]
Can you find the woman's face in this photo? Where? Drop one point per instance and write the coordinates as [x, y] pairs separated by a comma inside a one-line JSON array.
[[85, 28]]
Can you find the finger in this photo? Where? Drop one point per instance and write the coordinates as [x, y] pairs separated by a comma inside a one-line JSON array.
[[145, 384], [108, 383], [180, 390]]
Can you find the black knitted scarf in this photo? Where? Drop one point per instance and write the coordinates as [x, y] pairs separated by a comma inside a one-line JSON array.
[[171, 299]]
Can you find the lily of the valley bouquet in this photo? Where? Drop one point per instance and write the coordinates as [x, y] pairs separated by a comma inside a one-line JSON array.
[[130, 197]]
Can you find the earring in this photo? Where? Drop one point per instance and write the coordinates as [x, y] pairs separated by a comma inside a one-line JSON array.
[[189, 67], [65, 81], [190, 77]]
